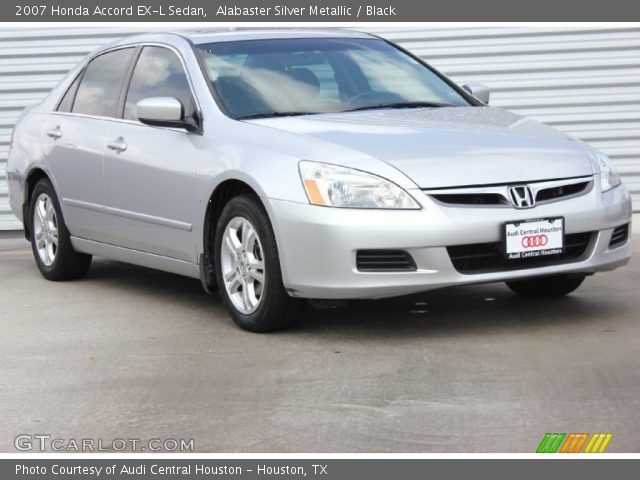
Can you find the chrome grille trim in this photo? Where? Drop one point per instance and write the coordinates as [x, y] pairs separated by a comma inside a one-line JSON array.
[[497, 196]]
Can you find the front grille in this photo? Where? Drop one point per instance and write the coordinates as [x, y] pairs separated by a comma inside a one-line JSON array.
[[619, 236], [498, 195], [490, 257], [471, 198], [384, 261], [563, 191]]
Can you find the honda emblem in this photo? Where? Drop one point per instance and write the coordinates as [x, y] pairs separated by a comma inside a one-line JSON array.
[[521, 196]]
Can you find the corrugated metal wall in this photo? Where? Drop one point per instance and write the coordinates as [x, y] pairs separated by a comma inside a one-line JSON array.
[[32, 61], [584, 81]]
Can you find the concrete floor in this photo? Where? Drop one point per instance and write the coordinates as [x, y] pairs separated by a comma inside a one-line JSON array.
[[135, 353]]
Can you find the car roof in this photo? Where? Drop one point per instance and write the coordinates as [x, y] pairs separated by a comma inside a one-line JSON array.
[[272, 33], [227, 35]]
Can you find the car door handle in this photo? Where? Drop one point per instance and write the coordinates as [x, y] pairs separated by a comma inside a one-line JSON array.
[[117, 145], [55, 133]]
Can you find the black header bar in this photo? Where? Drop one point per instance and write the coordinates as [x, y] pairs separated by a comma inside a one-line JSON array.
[[347, 11]]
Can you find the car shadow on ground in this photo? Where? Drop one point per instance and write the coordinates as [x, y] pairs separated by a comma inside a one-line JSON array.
[[450, 311]]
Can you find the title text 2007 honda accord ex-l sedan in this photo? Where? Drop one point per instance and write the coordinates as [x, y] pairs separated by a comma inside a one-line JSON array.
[[286, 165]]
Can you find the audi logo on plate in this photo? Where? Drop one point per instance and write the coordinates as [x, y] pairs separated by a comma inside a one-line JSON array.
[[531, 241]]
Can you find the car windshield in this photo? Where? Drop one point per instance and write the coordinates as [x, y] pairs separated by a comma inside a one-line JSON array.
[[282, 77]]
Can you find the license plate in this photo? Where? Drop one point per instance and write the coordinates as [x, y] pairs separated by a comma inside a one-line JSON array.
[[534, 238]]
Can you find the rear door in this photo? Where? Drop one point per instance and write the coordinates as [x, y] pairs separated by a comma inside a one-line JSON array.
[[150, 171], [74, 139]]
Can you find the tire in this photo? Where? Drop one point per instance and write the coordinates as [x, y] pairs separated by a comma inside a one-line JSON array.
[[245, 251], [59, 261], [546, 287]]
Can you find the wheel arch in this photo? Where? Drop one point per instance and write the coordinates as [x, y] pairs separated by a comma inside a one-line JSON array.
[[221, 195], [32, 178]]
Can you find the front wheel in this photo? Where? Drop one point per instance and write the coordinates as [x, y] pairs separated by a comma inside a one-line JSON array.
[[248, 268], [546, 287]]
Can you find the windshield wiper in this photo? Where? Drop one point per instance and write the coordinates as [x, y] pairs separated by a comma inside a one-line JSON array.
[[273, 115], [399, 105], [364, 107]]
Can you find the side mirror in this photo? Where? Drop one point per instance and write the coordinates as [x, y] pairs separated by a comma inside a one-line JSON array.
[[165, 112], [478, 90]]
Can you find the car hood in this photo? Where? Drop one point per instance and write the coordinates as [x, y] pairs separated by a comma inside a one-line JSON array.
[[444, 147]]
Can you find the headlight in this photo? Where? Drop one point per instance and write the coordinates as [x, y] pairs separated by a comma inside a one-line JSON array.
[[336, 186], [609, 176]]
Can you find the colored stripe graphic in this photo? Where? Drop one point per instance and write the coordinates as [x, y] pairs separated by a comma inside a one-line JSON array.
[[573, 442], [550, 442], [583, 439], [569, 444], [598, 443]]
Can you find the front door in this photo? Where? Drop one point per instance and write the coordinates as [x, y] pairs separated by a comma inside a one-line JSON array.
[[150, 172]]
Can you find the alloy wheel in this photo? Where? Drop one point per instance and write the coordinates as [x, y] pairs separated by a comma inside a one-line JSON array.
[[45, 229], [242, 265]]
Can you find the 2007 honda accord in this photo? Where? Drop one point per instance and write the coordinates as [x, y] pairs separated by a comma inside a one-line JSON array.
[[286, 165]]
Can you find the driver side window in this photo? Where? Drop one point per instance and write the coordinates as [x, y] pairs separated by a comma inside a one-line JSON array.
[[158, 73]]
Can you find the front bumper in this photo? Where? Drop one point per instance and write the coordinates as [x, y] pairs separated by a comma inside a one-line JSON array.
[[317, 245]]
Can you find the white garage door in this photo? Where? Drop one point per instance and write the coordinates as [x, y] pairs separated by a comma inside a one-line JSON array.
[[585, 82]]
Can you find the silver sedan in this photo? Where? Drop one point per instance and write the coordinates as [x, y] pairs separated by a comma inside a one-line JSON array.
[[284, 165]]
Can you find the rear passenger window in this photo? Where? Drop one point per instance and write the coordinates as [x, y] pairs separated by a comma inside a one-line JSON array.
[[100, 86], [158, 73], [67, 101]]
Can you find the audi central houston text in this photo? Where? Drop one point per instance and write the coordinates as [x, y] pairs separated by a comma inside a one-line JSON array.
[[154, 469], [284, 165]]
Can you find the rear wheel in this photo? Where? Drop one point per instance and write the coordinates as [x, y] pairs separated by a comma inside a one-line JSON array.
[[50, 240], [248, 268], [546, 287]]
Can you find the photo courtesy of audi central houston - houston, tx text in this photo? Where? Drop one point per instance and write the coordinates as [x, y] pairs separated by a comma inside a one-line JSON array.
[[367, 248]]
